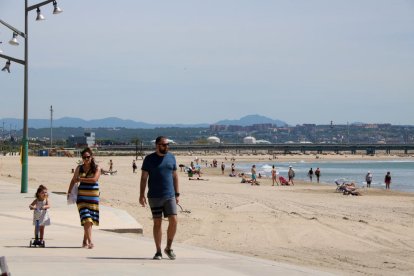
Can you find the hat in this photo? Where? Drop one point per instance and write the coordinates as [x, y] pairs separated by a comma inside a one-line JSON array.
[[290, 166]]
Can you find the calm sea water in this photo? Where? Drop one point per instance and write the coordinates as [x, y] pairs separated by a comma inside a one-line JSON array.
[[402, 171]]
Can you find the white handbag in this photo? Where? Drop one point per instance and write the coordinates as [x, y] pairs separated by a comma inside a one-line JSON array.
[[73, 196]]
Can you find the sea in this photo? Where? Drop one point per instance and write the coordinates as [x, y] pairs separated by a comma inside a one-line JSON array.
[[402, 171]]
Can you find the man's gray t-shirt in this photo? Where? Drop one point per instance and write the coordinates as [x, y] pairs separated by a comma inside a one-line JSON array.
[[160, 170]]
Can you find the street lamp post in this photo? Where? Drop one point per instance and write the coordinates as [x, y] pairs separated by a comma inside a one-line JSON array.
[[25, 62], [51, 127]]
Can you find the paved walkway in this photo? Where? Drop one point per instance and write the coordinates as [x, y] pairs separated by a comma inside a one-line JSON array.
[[114, 253]]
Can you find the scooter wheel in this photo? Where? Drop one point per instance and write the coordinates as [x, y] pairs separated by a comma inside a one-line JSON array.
[[43, 244], [30, 244]]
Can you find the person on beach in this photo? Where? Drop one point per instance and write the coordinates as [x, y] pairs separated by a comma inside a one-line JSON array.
[[134, 166], [233, 169], [87, 174], [111, 165], [351, 189], [160, 169], [310, 174], [368, 179], [223, 166], [274, 176], [291, 175], [317, 174], [387, 180], [254, 175], [245, 179], [40, 207]]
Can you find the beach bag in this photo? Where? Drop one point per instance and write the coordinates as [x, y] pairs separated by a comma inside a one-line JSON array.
[[73, 196]]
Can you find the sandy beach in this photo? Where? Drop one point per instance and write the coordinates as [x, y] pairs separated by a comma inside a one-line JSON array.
[[306, 224]]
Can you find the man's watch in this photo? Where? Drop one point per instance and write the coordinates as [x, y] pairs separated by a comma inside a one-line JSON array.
[[177, 194]]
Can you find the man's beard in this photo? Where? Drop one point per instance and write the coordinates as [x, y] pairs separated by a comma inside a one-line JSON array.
[[163, 151]]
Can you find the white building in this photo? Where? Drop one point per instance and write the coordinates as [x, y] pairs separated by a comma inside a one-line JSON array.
[[170, 141], [249, 140], [262, 142], [81, 141], [213, 140]]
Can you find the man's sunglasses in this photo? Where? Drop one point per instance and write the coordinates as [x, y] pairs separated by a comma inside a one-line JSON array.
[[165, 145]]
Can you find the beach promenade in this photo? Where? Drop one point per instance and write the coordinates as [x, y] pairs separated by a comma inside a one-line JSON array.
[[119, 250]]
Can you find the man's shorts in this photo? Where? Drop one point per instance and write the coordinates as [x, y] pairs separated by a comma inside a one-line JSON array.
[[168, 206]]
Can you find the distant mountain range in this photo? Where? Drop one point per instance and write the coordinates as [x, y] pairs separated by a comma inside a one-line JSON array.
[[113, 122], [251, 120]]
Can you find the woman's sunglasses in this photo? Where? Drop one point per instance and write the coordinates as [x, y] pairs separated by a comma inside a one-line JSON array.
[[86, 157]]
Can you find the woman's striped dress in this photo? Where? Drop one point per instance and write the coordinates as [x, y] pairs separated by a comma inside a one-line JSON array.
[[88, 199]]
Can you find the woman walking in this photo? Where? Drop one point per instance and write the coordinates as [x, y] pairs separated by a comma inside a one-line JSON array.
[[274, 176], [387, 180], [87, 175]]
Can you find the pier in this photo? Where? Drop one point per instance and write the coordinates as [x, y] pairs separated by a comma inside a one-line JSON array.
[[368, 149]]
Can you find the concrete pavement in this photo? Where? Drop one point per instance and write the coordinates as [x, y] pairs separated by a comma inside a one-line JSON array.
[[114, 253]]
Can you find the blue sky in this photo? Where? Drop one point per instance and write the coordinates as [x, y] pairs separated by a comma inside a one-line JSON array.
[[193, 61]]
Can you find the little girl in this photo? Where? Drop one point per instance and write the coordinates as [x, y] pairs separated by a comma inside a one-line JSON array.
[[41, 207]]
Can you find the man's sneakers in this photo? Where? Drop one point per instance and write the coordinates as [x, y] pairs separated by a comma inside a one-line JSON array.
[[170, 253], [157, 256]]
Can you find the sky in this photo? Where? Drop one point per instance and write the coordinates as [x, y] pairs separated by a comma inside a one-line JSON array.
[[193, 61]]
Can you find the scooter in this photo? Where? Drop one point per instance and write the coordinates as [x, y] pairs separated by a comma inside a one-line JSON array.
[[36, 241]]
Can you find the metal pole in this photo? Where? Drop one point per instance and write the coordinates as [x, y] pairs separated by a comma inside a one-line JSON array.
[[25, 141], [136, 149], [51, 126], [347, 125]]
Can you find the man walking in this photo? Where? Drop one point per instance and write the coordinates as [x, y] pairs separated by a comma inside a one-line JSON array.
[[111, 165], [318, 174], [160, 169], [368, 179], [223, 166], [291, 175], [310, 174]]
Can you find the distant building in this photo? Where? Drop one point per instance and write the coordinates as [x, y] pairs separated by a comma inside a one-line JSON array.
[[88, 140], [215, 128], [170, 141], [213, 140], [235, 128], [262, 127], [249, 140], [262, 142]]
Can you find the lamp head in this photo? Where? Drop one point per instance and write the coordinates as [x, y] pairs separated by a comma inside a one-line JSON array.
[[56, 9], [7, 66], [39, 16], [14, 41]]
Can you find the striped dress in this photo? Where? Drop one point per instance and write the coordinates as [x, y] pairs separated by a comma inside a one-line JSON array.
[[88, 199]]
